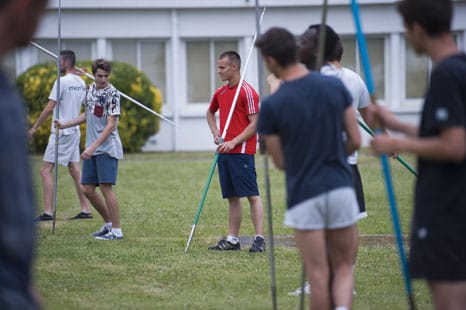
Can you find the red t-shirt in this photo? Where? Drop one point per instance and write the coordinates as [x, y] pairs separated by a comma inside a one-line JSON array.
[[247, 104]]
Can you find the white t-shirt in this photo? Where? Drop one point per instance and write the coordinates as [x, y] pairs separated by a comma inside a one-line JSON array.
[[356, 88], [72, 95]]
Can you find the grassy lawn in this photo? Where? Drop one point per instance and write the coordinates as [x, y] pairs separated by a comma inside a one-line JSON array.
[[159, 194]]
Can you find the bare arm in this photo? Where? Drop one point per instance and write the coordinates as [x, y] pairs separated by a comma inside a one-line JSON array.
[[450, 145], [111, 123], [353, 137], [42, 117], [247, 133], [389, 120], [212, 122], [74, 122], [273, 146]]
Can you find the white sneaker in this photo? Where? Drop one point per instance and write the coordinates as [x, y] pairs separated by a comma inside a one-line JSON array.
[[298, 291]]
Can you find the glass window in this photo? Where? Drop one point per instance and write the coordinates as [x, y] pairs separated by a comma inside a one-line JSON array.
[[349, 53], [82, 49], [9, 65], [202, 78], [153, 63], [376, 50], [146, 55], [198, 72], [417, 73], [125, 51], [50, 45]]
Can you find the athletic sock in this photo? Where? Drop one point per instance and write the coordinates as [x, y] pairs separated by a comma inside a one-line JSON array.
[[232, 240], [259, 236], [341, 308], [117, 232], [108, 225]]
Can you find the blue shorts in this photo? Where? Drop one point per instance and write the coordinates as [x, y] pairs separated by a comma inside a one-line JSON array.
[[237, 174], [100, 169]]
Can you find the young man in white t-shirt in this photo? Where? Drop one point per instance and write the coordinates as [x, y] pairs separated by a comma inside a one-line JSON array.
[[72, 94]]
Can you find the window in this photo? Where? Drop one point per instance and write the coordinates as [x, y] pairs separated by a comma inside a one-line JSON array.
[[202, 79], [146, 55], [416, 73], [376, 50], [81, 47], [9, 65]]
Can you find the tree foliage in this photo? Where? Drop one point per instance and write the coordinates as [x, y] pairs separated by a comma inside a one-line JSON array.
[[136, 125]]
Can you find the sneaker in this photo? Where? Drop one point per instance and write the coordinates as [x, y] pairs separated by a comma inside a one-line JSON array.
[[109, 236], [298, 291], [44, 217], [103, 231], [81, 215], [258, 245], [224, 245]]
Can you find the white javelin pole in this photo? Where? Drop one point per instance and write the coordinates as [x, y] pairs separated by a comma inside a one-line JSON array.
[[121, 94], [57, 116]]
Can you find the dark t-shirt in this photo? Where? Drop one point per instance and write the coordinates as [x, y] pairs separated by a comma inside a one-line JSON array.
[[308, 115], [17, 204], [440, 201]]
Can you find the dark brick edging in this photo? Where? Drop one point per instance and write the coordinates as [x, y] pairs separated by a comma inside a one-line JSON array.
[[364, 240]]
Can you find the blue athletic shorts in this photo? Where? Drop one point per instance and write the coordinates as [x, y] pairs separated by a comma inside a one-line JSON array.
[[99, 169], [237, 174]]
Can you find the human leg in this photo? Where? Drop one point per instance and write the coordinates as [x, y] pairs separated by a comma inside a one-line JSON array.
[[312, 246], [341, 244], [257, 214], [47, 186], [111, 202], [75, 173], [448, 295], [96, 201], [235, 215]]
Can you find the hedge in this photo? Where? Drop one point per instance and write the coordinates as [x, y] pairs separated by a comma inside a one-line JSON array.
[[136, 125]]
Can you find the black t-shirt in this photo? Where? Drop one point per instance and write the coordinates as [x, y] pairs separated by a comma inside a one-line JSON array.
[[440, 201]]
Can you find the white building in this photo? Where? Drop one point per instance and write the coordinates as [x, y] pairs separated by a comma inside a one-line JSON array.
[[176, 42]]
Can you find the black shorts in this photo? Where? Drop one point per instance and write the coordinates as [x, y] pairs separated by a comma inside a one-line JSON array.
[[359, 191], [441, 259]]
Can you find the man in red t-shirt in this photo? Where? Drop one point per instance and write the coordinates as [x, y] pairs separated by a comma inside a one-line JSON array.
[[236, 166]]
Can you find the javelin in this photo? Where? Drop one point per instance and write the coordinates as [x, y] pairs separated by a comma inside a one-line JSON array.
[[214, 162], [383, 158], [57, 131], [121, 94]]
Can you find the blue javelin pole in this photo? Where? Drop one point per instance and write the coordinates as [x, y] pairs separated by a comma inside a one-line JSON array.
[[383, 158]]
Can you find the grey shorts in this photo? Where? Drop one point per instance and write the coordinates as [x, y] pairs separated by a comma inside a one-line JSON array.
[[68, 149], [335, 209]]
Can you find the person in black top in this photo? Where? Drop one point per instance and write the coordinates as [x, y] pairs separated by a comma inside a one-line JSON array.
[[438, 236]]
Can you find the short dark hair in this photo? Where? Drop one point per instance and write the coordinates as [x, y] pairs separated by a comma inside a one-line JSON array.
[[280, 44], [101, 64], [434, 16], [333, 47], [68, 55], [232, 56]]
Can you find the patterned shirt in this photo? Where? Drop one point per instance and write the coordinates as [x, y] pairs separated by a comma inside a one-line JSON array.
[[101, 103]]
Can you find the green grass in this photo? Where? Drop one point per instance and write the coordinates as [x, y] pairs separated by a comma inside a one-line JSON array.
[[159, 195]]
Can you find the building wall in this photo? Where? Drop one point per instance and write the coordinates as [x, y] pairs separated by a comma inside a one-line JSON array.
[[172, 26]]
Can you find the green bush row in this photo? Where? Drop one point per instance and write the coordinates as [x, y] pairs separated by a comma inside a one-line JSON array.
[[136, 125]]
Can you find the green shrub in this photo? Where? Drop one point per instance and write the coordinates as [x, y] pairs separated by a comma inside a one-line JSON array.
[[136, 125]]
